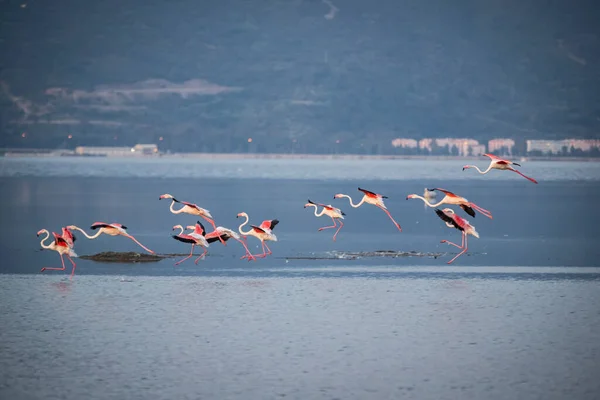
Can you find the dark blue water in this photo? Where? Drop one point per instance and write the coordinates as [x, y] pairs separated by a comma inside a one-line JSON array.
[[514, 318]]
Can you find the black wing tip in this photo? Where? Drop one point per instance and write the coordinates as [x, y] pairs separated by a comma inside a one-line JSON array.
[[384, 197], [123, 226], [516, 164], [273, 223], [175, 200], [343, 213], [311, 202]]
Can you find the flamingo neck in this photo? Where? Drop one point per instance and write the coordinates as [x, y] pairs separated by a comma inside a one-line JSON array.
[[480, 171], [244, 223], [86, 235], [174, 211], [351, 203], [322, 211], [428, 203], [181, 231], [49, 246]]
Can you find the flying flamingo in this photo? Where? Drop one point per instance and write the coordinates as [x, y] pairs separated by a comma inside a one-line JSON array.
[[451, 198], [331, 212], [61, 246], [190, 208], [224, 234], [370, 198], [113, 229], [264, 232], [454, 221], [501, 164], [195, 238]]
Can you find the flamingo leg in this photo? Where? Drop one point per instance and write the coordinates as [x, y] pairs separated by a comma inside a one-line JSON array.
[[248, 254], [268, 249], [462, 245], [392, 218], [328, 227], [191, 253], [462, 252], [523, 175], [201, 256], [482, 210], [264, 254], [72, 271], [141, 245], [336, 232], [54, 268]]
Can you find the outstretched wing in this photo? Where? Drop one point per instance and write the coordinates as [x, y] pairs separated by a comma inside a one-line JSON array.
[[372, 194], [98, 225], [258, 229], [184, 239], [468, 210], [446, 192], [317, 204], [446, 218], [201, 227], [190, 205], [269, 224], [223, 236], [59, 241]]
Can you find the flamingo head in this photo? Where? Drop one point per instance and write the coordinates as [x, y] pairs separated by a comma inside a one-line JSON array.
[[40, 232], [411, 196], [165, 196], [192, 227], [178, 227], [467, 167], [337, 196], [242, 214], [448, 211], [71, 227], [308, 205]]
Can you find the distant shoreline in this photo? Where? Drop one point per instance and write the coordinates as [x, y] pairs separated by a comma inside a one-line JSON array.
[[287, 156]]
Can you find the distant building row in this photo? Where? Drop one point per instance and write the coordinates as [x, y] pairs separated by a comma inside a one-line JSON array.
[[108, 151], [471, 147]]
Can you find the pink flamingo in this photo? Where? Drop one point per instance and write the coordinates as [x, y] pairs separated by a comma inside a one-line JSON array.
[[454, 221], [501, 164], [451, 198], [331, 212], [264, 232], [224, 234], [113, 229], [195, 238], [61, 246], [371, 198], [190, 208]]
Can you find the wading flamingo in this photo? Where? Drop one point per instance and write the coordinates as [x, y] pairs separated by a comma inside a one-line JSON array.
[[113, 229], [454, 221], [195, 238], [501, 164], [61, 246], [370, 198], [451, 198], [224, 234], [190, 208], [264, 232], [331, 212]]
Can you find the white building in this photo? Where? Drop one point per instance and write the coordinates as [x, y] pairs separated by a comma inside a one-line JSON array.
[[497, 145]]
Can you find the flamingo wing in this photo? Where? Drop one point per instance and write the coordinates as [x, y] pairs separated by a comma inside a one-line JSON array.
[[317, 204], [469, 210], [200, 228], [184, 238], [98, 225], [447, 219], [446, 192], [258, 230], [372, 194], [59, 240], [492, 156], [67, 234], [190, 205], [269, 224], [216, 236]]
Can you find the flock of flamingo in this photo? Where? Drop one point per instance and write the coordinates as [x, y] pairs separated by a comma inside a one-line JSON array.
[[197, 236]]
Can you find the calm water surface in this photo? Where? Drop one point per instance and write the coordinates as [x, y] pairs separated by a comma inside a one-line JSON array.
[[515, 318]]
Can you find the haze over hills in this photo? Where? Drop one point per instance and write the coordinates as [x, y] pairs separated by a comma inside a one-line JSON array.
[[293, 74]]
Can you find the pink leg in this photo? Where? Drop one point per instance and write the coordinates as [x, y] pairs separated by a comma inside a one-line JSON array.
[[201, 256], [523, 175], [462, 252], [393, 220], [141, 245], [56, 269], [73, 271], [268, 249], [336, 232], [328, 227], [248, 254], [482, 210], [191, 253], [264, 254], [454, 244]]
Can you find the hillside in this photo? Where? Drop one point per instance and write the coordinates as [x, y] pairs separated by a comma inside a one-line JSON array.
[[296, 74]]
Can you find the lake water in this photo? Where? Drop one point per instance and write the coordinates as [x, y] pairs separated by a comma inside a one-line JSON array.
[[516, 317]]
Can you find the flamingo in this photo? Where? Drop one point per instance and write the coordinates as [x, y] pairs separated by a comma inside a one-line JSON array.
[[264, 232], [331, 212], [195, 238], [224, 234], [451, 198], [68, 236], [370, 198], [61, 246], [190, 208], [454, 221], [113, 229], [501, 164]]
